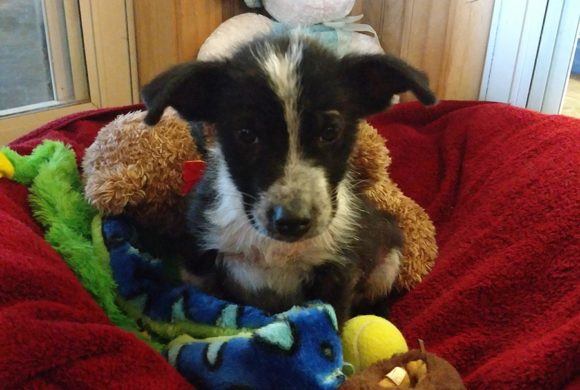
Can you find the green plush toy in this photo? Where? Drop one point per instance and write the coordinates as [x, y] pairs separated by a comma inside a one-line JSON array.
[[57, 202]]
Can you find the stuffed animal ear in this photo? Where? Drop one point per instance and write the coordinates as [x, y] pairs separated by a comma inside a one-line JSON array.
[[193, 89], [372, 80], [331, 315], [277, 334]]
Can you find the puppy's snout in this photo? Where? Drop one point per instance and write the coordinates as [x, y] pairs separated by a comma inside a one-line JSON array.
[[290, 224]]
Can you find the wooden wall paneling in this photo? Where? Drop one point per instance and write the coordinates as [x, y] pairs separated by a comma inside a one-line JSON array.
[[172, 31], [445, 38], [393, 25], [196, 20], [424, 37], [358, 8], [235, 7], [155, 33], [386, 17], [374, 11], [465, 49]]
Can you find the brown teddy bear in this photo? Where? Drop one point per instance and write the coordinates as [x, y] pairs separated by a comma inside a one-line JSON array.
[[135, 169]]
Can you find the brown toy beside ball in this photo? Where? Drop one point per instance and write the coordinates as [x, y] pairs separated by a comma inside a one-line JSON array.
[[135, 169], [410, 370]]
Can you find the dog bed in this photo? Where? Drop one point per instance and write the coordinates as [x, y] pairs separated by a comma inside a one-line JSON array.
[[502, 303]]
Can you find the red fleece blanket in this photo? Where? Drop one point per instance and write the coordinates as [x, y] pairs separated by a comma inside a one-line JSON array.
[[502, 303]]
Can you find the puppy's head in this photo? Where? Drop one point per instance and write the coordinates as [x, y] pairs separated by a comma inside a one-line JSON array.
[[285, 111]]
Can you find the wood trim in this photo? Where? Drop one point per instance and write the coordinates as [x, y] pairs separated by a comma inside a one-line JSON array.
[[91, 61], [108, 51], [58, 51], [76, 49], [132, 41]]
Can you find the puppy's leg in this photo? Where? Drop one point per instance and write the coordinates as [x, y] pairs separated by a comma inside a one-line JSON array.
[[379, 254], [381, 278], [334, 284], [374, 294]]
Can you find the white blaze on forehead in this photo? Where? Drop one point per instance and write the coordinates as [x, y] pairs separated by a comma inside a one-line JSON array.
[[302, 183], [283, 71]]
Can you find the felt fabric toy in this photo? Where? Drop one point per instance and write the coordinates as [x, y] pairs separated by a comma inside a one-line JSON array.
[[380, 359], [151, 290], [213, 343], [136, 170], [299, 350], [410, 370]]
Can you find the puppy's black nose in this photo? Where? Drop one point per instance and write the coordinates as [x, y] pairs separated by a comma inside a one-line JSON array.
[[289, 224]]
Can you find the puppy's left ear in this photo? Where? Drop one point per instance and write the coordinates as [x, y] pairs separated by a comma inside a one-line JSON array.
[[372, 80], [193, 89]]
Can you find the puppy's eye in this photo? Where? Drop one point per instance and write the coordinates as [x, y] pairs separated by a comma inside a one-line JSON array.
[[247, 137], [329, 134]]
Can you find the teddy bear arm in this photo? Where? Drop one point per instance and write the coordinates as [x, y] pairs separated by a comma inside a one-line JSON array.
[[110, 191]]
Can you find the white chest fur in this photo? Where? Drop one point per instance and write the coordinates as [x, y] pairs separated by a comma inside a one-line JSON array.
[[285, 280]]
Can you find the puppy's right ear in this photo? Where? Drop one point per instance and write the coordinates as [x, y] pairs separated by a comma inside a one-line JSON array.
[[193, 89], [372, 80]]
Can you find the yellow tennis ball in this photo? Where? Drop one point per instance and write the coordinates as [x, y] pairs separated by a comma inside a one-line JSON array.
[[368, 339], [6, 167]]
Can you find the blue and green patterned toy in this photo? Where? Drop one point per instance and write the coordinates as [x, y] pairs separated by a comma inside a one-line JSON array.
[[224, 345]]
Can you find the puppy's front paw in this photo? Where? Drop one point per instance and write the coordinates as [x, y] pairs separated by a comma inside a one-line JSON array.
[[381, 279]]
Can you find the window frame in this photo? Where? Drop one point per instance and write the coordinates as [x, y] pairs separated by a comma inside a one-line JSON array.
[[528, 61], [108, 35]]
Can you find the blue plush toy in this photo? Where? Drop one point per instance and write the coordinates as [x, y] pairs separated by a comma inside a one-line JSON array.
[[299, 350], [218, 344]]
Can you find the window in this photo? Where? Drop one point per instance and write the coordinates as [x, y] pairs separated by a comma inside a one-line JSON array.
[[532, 55], [571, 103], [41, 55], [63, 56]]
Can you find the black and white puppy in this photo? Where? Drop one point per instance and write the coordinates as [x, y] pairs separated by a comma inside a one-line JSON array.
[[279, 201]]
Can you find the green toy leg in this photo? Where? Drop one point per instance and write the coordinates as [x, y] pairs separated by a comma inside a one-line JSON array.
[[57, 202]]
